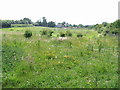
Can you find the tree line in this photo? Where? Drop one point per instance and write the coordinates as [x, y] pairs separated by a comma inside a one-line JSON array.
[[7, 23], [43, 22], [104, 27]]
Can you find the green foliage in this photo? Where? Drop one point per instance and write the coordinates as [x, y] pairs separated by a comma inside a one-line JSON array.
[[51, 24], [44, 32], [10, 57], [42, 62], [27, 21], [79, 35], [44, 23], [38, 23], [21, 23], [68, 34], [104, 24], [6, 23], [108, 28], [28, 34], [62, 34], [50, 33]]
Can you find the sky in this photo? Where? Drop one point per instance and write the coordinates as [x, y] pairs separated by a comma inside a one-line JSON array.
[[86, 12]]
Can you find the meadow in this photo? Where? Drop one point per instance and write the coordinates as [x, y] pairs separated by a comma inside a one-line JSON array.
[[45, 61]]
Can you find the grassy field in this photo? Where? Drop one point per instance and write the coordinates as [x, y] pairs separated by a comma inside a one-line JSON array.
[[43, 61]]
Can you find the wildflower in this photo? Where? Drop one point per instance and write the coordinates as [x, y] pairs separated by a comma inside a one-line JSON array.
[[55, 56], [66, 56]]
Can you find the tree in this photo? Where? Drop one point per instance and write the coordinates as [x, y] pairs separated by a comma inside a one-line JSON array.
[[7, 23], [27, 21], [67, 25], [80, 25], [16, 22], [35, 24], [44, 23], [39, 23], [70, 25], [104, 24], [63, 23], [51, 24], [75, 25], [116, 24]]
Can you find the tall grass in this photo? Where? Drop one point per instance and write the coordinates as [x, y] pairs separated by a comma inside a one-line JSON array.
[[43, 62]]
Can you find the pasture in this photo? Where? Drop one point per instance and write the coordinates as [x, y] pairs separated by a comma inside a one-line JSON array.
[[45, 61]]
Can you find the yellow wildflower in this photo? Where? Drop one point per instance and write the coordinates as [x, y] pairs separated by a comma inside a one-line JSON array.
[[66, 56]]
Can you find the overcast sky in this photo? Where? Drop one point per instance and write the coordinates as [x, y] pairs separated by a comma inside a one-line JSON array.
[[85, 12]]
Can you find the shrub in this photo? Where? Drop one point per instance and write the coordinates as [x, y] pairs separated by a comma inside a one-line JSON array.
[[11, 29], [79, 35], [62, 34], [28, 34], [99, 31], [44, 32], [68, 33], [50, 33], [114, 33], [106, 32]]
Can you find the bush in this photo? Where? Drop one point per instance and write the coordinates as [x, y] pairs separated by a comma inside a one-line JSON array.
[[50, 33], [79, 35], [114, 32], [44, 32], [100, 31], [106, 32], [28, 34], [62, 34], [68, 33]]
